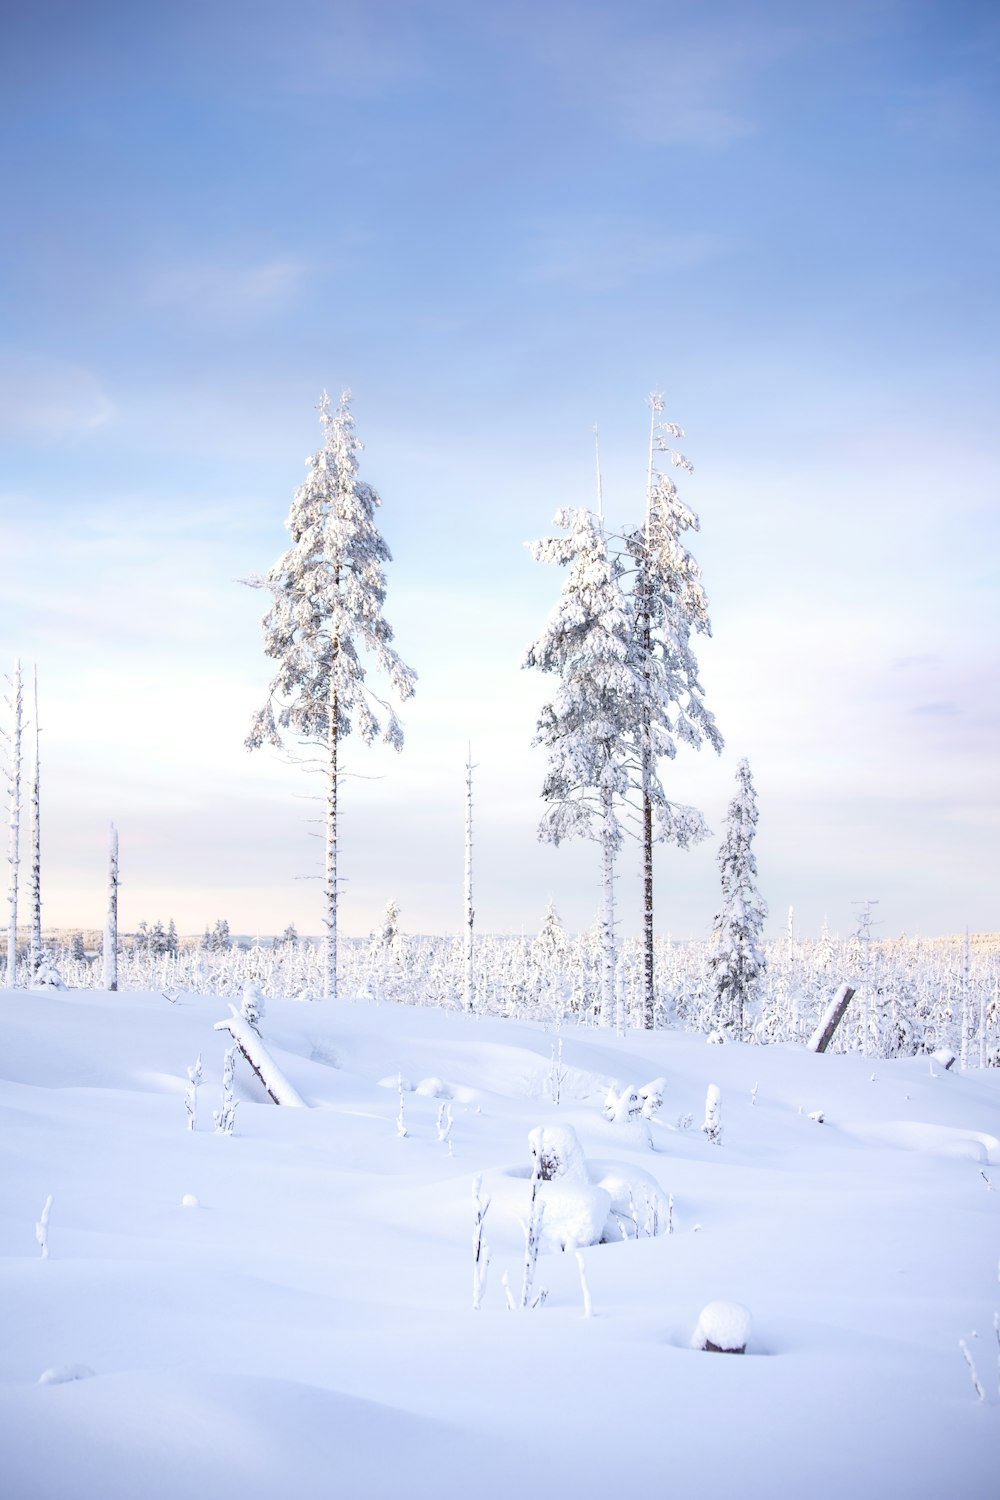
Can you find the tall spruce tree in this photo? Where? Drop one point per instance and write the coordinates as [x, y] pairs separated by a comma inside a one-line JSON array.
[[589, 726], [669, 605], [328, 591], [736, 957]]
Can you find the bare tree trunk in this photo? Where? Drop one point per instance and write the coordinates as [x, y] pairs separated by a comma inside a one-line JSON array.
[[607, 918], [36, 852], [330, 976], [648, 957], [14, 822], [111, 922], [470, 915]]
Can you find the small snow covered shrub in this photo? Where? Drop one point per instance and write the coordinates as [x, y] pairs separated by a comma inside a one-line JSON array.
[[576, 1211], [47, 977], [42, 1228], [637, 1208], [723, 1328], [191, 1094], [627, 1110], [480, 1249], [713, 1114], [652, 1095], [556, 1152], [225, 1117], [252, 1008]]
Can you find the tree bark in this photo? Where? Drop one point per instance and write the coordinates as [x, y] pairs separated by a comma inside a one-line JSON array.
[[330, 976], [470, 915], [607, 918], [14, 824], [823, 1035], [36, 852]]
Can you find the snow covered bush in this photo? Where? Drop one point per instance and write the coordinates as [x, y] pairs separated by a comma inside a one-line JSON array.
[[252, 1008], [576, 1211], [713, 1115], [627, 1110], [225, 1116]]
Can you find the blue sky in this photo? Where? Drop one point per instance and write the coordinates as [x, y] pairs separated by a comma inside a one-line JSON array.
[[500, 224]]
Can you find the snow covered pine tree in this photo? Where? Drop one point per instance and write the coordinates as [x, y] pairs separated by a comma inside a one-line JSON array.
[[328, 591], [736, 957], [669, 604], [590, 725]]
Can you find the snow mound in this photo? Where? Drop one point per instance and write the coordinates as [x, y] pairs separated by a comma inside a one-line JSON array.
[[638, 1206], [936, 1140], [723, 1327], [62, 1374]]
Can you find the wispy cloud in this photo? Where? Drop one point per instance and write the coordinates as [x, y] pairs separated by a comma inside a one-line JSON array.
[[224, 291], [595, 253], [41, 397]]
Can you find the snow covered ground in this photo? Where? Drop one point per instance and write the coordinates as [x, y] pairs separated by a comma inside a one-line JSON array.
[[289, 1309]]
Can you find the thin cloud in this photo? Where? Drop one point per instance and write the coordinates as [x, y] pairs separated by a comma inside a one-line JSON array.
[[42, 397], [600, 255], [220, 291]]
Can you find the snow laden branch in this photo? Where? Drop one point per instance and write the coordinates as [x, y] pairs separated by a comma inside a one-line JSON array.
[[325, 623]]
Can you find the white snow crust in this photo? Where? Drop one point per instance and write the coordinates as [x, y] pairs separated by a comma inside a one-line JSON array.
[[866, 1249]]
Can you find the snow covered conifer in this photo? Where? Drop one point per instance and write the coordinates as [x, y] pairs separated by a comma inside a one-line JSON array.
[[737, 958], [669, 604], [588, 727], [328, 591]]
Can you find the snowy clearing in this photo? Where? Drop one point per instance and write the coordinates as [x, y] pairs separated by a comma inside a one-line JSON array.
[[289, 1308]]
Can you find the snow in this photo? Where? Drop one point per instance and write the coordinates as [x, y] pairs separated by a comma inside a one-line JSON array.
[[726, 1325], [311, 1324]]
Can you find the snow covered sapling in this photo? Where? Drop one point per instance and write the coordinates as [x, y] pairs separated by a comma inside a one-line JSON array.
[[628, 1109], [42, 1228], [737, 958], [480, 1249], [713, 1115], [588, 1306], [444, 1124], [191, 1094], [15, 703], [556, 1075], [225, 1117], [328, 590], [252, 1008], [532, 1239], [401, 1129], [976, 1386]]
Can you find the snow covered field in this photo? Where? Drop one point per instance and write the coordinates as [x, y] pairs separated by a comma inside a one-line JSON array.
[[303, 1324]]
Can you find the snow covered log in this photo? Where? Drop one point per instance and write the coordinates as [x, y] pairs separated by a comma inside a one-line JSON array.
[[252, 1048], [832, 1017]]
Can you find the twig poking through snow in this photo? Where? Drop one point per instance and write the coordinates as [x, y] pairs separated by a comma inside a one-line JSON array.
[[980, 1393], [989, 1185], [444, 1124], [191, 1094], [42, 1228], [480, 1249], [753, 1094], [401, 1129], [588, 1306]]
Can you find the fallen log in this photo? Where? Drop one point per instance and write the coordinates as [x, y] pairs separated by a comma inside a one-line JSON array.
[[834, 1014], [249, 1044]]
